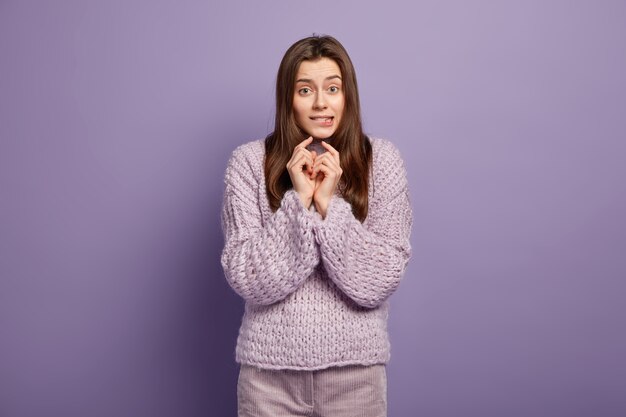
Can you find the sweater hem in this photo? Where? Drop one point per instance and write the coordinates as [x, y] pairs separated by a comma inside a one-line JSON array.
[[315, 367]]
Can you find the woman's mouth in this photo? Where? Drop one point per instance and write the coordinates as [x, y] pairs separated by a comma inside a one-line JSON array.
[[323, 120]]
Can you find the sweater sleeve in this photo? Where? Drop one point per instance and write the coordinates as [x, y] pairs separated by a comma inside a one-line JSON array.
[[367, 261], [263, 263]]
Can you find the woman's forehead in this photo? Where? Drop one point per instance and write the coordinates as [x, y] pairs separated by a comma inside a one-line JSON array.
[[320, 68]]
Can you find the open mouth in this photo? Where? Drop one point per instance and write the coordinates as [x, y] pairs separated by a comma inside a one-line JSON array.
[[323, 120]]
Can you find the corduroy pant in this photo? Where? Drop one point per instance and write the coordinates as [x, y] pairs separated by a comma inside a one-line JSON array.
[[347, 391]]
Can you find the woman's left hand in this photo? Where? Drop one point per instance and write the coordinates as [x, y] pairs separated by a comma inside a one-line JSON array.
[[326, 164]]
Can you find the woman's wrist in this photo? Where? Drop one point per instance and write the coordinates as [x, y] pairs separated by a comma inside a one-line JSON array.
[[321, 207], [306, 201]]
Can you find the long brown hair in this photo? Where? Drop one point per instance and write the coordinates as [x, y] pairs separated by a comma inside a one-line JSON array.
[[352, 144]]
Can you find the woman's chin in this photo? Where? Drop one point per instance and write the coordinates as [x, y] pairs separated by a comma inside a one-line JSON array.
[[321, 134]]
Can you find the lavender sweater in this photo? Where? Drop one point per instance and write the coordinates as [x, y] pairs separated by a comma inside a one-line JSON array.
[[315, 289]]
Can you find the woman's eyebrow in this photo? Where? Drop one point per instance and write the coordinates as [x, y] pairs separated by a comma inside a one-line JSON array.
[[308, 80]]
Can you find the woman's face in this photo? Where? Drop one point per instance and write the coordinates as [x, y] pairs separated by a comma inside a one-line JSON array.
[[318, 98]]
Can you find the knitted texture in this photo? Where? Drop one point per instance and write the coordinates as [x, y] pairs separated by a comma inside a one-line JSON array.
[[315, 289]]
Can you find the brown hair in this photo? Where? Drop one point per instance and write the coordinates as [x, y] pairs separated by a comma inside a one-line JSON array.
[[352, 144]]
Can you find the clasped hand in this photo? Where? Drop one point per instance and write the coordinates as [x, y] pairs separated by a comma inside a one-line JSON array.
[[314, 177]]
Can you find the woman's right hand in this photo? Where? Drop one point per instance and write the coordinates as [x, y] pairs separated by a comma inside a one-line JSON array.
[[300, 168]]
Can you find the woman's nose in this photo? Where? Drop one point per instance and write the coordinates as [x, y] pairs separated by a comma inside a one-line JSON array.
[[319, 103]]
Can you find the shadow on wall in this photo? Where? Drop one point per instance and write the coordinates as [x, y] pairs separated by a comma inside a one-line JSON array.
[[215, 312], [219, 310]]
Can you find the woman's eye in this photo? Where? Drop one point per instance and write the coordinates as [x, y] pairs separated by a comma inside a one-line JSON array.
[[334, 89], [305, 91]]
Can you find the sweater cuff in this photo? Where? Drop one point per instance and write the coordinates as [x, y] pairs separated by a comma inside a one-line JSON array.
[[291, 201], [338, 214], [295, 210]]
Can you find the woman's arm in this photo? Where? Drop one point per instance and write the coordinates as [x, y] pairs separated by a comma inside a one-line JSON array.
[[264, 263], [367, 262]]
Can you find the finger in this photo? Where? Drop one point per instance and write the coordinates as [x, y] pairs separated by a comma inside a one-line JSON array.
[[311, 163], [308, 163], [328, 167], [301, 162], [297, 154], [330, 149], [327, 173], [328, 159], [304, 143]]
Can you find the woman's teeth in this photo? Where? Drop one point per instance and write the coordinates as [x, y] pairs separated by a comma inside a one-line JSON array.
[[323, 120]]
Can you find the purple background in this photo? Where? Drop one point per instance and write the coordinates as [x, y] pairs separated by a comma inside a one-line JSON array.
[[116, 122]]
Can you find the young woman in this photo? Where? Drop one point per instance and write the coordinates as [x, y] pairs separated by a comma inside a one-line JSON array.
[[316, 220]]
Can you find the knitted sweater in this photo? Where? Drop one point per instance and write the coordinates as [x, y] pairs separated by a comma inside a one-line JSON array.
[[315, 289]]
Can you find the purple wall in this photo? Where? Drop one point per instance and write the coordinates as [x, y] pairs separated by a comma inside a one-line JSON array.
[[116, 122]]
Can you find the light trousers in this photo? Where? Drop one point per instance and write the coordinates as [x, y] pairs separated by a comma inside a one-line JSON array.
[[347, 391]]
